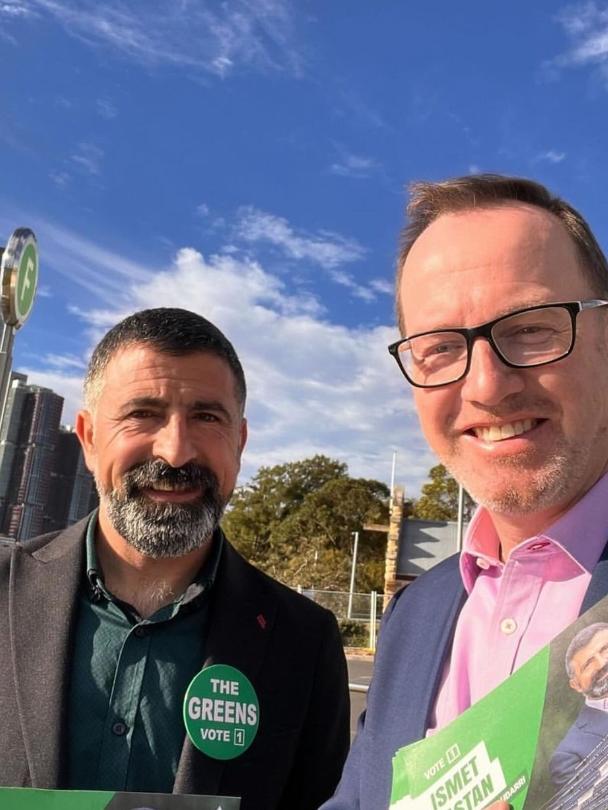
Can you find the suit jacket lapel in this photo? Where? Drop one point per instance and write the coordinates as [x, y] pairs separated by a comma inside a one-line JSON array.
[[443, 626], [241, 617], [44, 580], [598, 586]]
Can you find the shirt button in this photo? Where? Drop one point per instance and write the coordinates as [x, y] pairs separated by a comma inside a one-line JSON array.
[[119, 728], [483, 564], [140, 632], [508, 626]]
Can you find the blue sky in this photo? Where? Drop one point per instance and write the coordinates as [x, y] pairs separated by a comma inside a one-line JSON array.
[[248, 159]]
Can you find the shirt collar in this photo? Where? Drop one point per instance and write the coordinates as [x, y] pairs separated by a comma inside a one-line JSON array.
[[601, 704], [581, 534], [201, 584]]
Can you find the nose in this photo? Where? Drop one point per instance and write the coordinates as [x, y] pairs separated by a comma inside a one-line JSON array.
[[173, 442], [489, 380]]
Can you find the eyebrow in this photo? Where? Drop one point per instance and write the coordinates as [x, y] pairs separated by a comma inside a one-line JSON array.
[[502, 313], [160, 403]]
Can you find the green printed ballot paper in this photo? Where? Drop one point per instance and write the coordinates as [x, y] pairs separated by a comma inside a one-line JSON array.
[[27, 799], [538, 741]]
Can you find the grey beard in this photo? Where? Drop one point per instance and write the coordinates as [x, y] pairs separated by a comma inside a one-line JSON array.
[[599, 687], [160, 530]]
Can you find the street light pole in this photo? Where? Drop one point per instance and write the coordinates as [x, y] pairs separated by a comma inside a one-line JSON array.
[[352, 574]]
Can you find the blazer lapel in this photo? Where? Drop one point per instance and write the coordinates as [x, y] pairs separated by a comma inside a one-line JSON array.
[[44, 582], [438, 634], [241, 617], [598, 586]]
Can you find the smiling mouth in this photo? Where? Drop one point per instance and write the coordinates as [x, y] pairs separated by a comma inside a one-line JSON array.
[[498, 433], [171, 486]]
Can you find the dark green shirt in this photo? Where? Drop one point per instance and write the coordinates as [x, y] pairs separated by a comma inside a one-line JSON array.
[[128, 678]]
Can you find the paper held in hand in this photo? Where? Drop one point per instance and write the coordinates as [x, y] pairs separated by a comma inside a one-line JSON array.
[[538, 741]]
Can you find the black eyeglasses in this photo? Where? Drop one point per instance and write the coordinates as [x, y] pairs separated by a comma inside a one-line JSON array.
[[534, 336]]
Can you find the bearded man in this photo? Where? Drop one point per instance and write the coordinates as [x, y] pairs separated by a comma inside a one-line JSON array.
[[104, 625]]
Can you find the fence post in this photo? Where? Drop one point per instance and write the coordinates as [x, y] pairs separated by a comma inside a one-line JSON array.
[[373, 608]]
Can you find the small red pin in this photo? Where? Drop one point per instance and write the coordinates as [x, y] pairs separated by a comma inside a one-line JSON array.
[[261, 620]]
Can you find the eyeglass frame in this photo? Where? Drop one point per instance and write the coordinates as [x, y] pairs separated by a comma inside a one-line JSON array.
[[485, 330]]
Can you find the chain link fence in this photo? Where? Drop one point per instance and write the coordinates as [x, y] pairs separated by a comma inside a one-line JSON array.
[[358, 614]]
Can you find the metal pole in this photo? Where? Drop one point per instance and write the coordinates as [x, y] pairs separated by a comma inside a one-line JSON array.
[[459, 533], [352, 575], [6, 360], [373, 608], [393, 474]]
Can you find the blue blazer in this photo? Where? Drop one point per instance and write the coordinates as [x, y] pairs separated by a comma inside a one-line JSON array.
[[415, 639], [587, 732]]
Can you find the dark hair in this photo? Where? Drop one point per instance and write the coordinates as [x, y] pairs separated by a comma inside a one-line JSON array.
[[580, 640], [172, 331], [428, 201]]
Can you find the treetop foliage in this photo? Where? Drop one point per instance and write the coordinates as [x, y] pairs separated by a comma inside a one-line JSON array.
[[439, 497], [296, 520]]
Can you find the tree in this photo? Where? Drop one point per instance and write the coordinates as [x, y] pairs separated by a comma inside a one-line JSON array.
[[295, 521], [272, 494], [317, 537], [439, 498]]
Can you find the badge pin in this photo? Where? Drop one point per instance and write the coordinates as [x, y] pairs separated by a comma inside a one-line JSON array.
[[221, 711]]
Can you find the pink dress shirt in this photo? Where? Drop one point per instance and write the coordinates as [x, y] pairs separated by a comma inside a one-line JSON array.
[[515, 608]]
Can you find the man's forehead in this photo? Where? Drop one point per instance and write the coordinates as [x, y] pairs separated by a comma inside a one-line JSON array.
[[139, 365], [477, 232], [517, 254]]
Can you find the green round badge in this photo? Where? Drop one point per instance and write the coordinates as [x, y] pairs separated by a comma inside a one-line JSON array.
[[221, 712]]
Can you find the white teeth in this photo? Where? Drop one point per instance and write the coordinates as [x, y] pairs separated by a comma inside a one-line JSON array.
[[166, 486], [497, 433]]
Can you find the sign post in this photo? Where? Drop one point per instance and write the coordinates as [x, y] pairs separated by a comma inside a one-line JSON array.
[[18, 281]]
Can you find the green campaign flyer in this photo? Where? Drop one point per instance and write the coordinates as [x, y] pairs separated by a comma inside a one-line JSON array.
[[31, 799], [538, 741]]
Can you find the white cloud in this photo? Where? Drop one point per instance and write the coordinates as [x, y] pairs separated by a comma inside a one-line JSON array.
[[358, 290], [586, 25], [64, 361], [202, 210], [324, 248], [102, 273], [357, 167], [106, 109], [212, 37], [60, 179], [314, 386], [15, 8], [382, 285], [552, 155], [88, 157]]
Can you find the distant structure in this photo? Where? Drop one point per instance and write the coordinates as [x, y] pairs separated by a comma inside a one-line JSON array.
[[72, 493], [414, 546], [44, 484]]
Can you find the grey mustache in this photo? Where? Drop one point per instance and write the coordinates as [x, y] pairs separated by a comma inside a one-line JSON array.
[[149, 473]]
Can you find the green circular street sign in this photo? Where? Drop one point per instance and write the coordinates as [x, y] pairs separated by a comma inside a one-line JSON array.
[[221, 712], [19, 276]]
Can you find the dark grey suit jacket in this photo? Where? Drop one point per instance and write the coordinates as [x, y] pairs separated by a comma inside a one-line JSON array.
[[587, 732], [288, 647]]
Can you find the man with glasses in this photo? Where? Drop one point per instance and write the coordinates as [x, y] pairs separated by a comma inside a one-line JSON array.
[[501, 296]]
